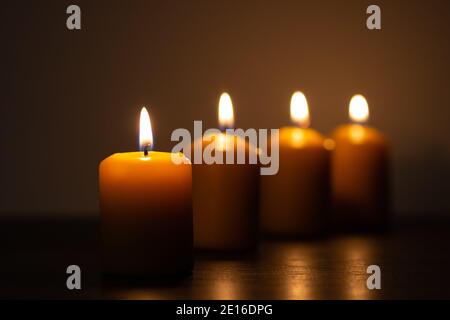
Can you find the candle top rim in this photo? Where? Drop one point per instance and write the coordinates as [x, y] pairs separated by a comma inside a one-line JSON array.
[[153, 156], [370, 134], [236, 139], [300, 138]]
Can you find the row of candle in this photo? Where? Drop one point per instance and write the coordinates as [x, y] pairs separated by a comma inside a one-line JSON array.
[[153, 211]]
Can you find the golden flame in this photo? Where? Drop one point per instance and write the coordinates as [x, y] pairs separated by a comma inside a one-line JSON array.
[[145, 130], [358, 109], [226, 116], [299, 110]]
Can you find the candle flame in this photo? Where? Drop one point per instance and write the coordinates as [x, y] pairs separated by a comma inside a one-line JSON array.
[[299, 110], [226, 115], [145, 130], [358, 109]]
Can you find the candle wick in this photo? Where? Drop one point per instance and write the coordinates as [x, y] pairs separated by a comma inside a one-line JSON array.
[[145, 151]]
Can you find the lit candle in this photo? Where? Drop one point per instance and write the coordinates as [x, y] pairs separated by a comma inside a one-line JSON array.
[[359, 172], [294, 202], [146, 211], [225, 196]]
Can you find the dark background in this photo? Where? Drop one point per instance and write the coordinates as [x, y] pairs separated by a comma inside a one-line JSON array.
[[71, 98]]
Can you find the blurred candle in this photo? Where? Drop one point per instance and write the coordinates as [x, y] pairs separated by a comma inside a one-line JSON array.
[[225, 196], [146, 211], [359, 172], [295, 201]]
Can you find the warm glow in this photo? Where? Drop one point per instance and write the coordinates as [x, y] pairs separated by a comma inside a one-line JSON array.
[[299, 110], [145, 131], [226, 116], [357, 133], [358, 109], [222, 140], [298, 138], [329, 144]]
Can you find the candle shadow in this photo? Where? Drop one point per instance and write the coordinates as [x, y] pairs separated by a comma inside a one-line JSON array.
[[319, 237], [226, 255], [378, 230]]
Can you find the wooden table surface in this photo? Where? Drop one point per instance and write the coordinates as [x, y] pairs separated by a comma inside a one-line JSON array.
[[414, 260]]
